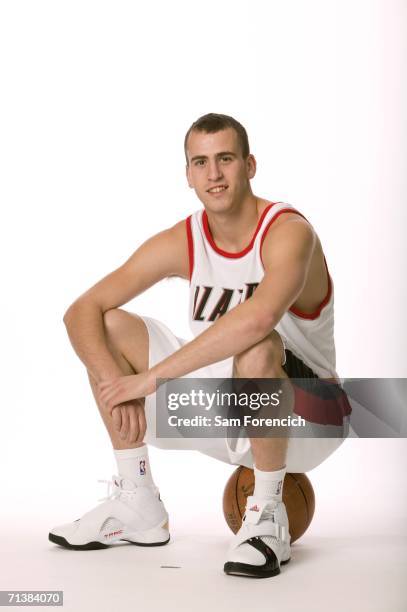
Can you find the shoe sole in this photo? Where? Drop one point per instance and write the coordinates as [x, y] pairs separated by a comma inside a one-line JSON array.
[[61, 541], [233, 568]]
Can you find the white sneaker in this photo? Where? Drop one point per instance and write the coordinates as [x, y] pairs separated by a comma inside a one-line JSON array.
[[130, 513], [262, 543]]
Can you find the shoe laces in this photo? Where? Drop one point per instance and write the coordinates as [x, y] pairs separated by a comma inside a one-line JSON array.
[[114, 488]]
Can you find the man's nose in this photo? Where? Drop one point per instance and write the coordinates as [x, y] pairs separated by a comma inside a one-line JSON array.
[[214, 171]]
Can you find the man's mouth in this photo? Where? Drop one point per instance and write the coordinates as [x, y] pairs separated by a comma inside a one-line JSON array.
[[217, 189]]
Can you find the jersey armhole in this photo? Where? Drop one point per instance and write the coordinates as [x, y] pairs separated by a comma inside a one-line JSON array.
[[190, 246], [303, 315], [314, 315]]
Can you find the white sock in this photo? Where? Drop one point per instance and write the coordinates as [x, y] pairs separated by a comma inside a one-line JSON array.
[[269, 485], [133, 464]]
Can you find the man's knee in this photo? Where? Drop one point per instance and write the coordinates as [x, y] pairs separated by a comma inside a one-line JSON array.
[[114, 319], [263, 359], [120, 324], [127, 334]]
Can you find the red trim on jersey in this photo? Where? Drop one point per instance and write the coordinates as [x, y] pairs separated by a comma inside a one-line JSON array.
[[190, 246], [317, 312], [303, 315], [211, 241]]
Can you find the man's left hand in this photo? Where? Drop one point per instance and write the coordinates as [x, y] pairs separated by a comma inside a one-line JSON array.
[[125, 388]]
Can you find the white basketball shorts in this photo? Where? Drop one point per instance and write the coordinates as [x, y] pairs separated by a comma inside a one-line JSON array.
[[303, 454]]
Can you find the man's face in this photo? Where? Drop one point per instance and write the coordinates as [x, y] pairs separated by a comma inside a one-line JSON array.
[[217, 171]]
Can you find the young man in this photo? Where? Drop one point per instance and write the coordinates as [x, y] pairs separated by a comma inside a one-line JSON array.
[[261, 306]]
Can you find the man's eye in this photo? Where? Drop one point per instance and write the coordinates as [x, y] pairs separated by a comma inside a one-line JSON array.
[[199, 162], [226, 158]]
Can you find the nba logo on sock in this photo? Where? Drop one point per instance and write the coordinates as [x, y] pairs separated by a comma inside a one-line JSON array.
[[142, 467], [279, 486]]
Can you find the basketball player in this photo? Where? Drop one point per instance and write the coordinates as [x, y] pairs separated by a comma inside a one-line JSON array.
[[261, 306]]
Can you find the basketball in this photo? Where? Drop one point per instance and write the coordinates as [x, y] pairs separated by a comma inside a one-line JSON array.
[[298, 496]]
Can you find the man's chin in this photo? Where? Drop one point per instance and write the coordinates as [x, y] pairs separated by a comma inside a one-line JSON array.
[[217, 205]]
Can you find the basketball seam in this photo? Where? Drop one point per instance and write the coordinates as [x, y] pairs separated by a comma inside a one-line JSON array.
[[236, 497], [297, 482]]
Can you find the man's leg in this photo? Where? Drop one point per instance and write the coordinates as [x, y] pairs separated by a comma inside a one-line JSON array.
[[134, 510], [264, 360], [127, 340], [262, 543]]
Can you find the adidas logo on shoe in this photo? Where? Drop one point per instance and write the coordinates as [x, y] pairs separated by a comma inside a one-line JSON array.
[[254, 508]]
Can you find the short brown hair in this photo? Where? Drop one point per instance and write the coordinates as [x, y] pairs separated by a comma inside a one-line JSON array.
[[213, 122]]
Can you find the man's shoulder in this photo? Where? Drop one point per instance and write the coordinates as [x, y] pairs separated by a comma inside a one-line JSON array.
[[174, 234], [287, 217], [282, 213], [173, 241], [179, 229], [290, 225], [184, 229]]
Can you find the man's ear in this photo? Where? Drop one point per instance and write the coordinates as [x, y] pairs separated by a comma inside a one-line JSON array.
[[251, 166]]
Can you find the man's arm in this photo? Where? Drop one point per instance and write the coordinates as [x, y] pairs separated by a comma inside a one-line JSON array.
[[163, 255], [287, 253]]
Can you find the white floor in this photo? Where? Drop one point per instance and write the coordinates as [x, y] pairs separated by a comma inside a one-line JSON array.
[[353, 557], [353, 574]]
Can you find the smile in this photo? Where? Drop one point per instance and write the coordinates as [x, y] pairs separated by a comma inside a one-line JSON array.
[[218, 189]]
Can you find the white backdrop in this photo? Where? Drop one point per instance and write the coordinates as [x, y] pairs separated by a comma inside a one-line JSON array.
[[96, 99]]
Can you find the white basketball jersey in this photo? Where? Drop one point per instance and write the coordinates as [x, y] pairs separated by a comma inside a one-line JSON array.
[[219, 281]]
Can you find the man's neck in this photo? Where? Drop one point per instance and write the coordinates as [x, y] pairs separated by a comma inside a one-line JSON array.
[[233, 230]]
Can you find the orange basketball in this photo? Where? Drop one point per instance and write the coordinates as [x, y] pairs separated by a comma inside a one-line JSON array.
[[298, 496]]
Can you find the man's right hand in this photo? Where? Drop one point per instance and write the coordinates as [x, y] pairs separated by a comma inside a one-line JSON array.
[[129, 419]]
